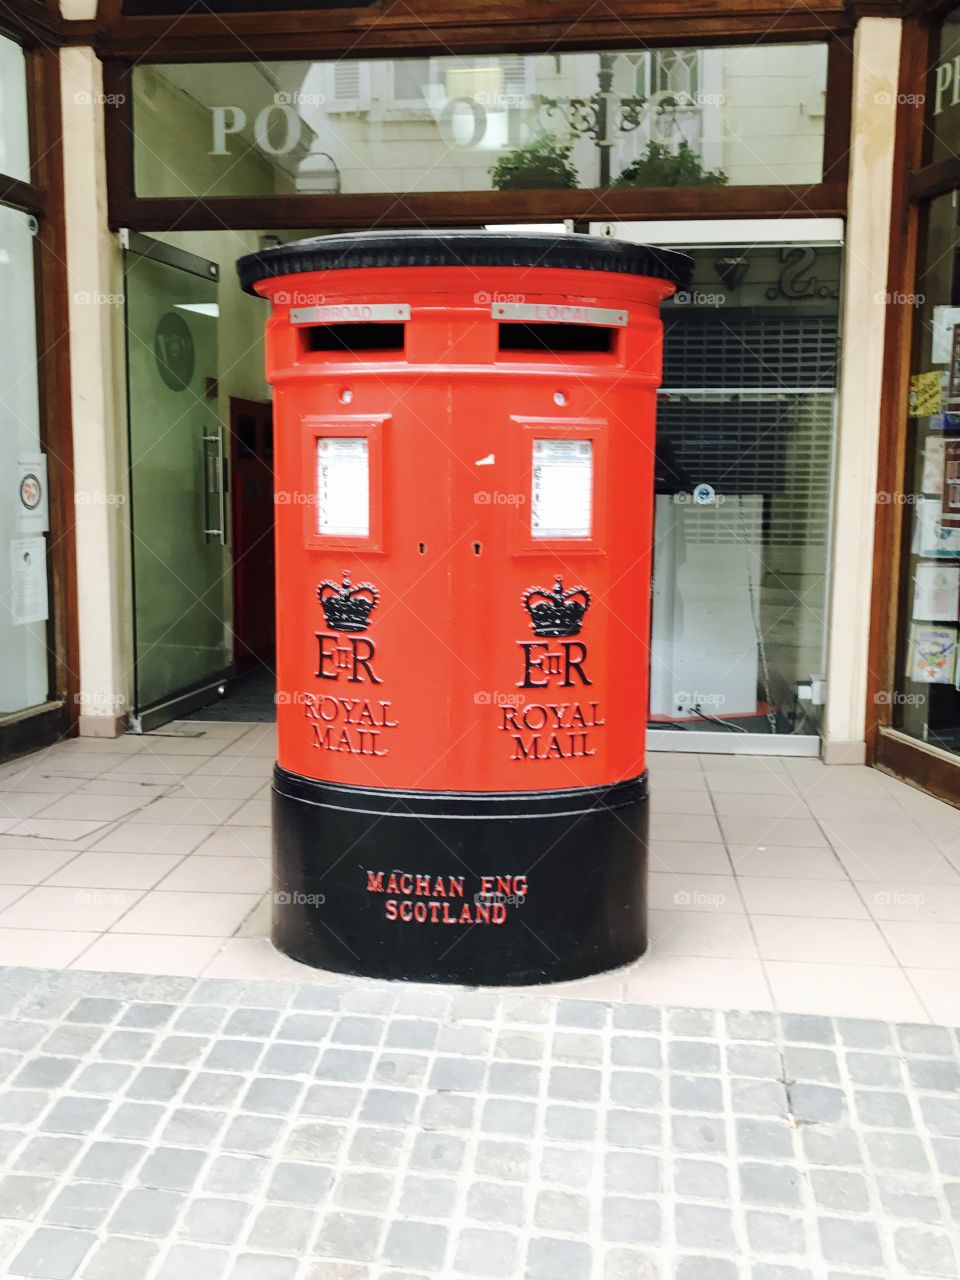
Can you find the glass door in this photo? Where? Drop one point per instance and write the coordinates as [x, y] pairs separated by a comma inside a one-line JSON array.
[[178, 518], [24, 625]]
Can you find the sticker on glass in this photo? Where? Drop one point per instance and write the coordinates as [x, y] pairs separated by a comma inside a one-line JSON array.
[[343, 486], [562, 489]]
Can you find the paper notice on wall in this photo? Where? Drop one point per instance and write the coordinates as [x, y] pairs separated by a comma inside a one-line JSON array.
[[944, 321], [933, 653], [926, 394], [28, 580], [930, 537], [932, 476], [950, 498], [32, 507], [936, 592], [562, 489], [952, 397], [343, 486]]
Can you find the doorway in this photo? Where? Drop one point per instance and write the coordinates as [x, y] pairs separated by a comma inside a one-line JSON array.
[[178, 482], [251, 469]]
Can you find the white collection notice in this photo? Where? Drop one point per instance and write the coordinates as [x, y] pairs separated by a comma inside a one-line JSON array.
[[28, 580], [343, 486], [562, 489]]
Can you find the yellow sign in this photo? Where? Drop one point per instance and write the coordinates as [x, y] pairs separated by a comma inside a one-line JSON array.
[[926, 394]]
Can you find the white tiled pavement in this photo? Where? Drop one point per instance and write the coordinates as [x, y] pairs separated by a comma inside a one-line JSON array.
[[776, 883]]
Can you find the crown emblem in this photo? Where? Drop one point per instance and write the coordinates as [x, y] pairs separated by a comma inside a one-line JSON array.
[[556, 612], [345, 607]]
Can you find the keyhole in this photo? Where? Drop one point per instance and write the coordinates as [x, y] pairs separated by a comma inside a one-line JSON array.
[[477, 548], [423, 548]]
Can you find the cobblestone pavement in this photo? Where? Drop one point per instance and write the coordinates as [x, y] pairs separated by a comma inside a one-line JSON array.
[[175, 1129]]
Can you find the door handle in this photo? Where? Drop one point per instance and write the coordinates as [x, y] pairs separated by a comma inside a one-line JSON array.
[[211, 455]]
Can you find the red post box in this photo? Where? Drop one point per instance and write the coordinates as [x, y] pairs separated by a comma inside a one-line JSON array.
[[464, 427]]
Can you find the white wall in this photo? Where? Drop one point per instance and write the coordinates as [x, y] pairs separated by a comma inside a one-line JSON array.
[[876, 72], [95, 286]]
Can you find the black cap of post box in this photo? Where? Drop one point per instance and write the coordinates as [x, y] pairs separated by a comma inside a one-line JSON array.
[[464, 249]]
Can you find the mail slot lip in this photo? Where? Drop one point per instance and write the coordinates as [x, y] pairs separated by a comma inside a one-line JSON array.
[[559, 313], [351, 313]]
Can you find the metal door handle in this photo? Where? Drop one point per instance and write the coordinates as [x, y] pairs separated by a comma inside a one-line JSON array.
[[213, 473]]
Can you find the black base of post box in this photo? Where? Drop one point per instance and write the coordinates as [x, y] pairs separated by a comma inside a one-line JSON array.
[[502, 889]]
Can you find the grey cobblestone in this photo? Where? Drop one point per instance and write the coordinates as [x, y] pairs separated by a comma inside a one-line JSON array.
[[48, 1154], [399, 1069], [110, 1161], [568, 1166], [146, 1212], [770, 1184], [21, 1195], [775, 1233], [703, 1268], [496, 1203], [803, 1063], [807, 1028], [214, 1221], [840, 1190], [767, 1139], [570, 1124], [53, 1253], [169, 1130], [628, 1220], [549, 1258], [850, 1241], [880, 1069], [927, 1041], [119, 1256], [282, 1229], [424, 1197], [759, 1060], [636, 1051], [692, 1022], [701, 1226], [448, 1111], [363, 1190], [905, 1198], [234, 1175], [486, 1253], [199, 1262], [415, 1244], [562, 1211], [633, 1173], [701, 1179], [190, 1127], [171, 1168]]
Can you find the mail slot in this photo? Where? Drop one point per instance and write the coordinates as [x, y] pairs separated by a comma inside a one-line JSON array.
[[464, 491]]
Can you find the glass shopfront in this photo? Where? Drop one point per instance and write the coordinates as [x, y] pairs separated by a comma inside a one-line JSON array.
[[745, 434], [916, 691], [926, 702], [25, 666]]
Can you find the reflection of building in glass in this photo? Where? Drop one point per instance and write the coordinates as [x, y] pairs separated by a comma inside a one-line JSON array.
[[440, 124]]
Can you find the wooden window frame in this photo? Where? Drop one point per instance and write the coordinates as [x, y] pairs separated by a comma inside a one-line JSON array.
[[825, 199], [328, 30], [43, 199]]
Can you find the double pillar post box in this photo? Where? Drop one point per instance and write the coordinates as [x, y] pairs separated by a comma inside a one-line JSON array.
[[464, 452]]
